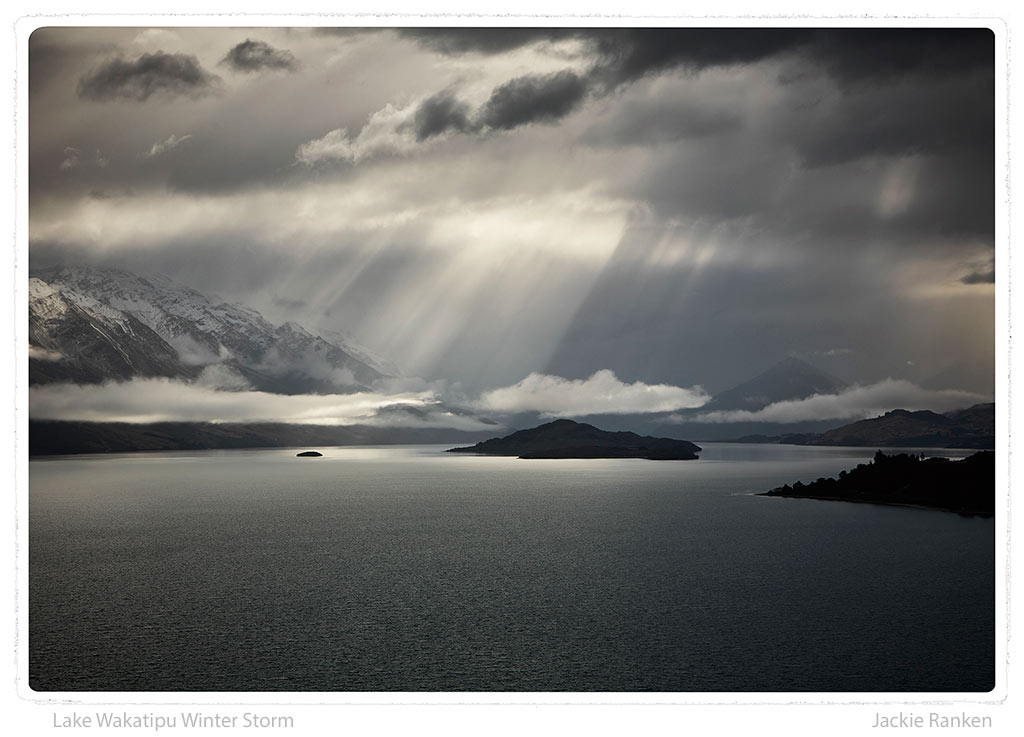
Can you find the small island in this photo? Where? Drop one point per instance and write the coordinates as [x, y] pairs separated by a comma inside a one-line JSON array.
[[308, 454], [966, 486], [569, 439]]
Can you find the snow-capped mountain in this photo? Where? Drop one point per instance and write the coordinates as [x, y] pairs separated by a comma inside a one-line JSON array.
[[73, 337], [90, 325]]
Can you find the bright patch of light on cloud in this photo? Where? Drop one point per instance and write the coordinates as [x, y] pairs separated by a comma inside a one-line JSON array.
[[602, 393], [577, 223], [334, 144], [160, 147], [855, 403], [166, 400], [388, 131]]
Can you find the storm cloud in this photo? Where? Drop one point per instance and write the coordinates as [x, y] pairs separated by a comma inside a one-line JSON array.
[[254, 56], [852, 56], [439, 113], [878, 55], [626, 55], [533, 98], [162, 74]]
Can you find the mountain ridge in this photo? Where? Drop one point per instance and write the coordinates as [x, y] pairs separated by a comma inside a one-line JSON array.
[[972, 427], [135, 316]]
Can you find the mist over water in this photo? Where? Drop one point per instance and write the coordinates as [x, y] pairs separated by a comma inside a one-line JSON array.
[[408, 569]]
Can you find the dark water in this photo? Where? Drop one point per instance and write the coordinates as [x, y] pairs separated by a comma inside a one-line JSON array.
[[404, 569]]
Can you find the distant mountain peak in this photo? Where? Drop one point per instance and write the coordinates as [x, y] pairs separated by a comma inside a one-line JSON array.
[[789, 379], [563, 423]]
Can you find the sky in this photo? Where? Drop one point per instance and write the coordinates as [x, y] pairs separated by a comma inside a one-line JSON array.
[[646, 216]]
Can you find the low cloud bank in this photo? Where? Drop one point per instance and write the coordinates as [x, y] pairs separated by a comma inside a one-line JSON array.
[[44, 354], [855, 403], [165, 400], [603, 393], [218, 397]]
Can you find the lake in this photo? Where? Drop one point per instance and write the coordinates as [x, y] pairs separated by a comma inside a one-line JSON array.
[[409, 569]]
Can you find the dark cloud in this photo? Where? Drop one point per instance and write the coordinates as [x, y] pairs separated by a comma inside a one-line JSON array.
[[627, 54], [902, 118], [927, 200], [853, 55], [160, 73], [533, 98], [623, 54], [980, 277], [440, 113], [871, 55], [850, 55], [254, 56], [953, 197], [883, 110], [912, 160]]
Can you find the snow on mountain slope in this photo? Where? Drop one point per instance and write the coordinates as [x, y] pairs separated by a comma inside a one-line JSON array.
[[44, 301], [77, 338], [181, 316], [285, 359]]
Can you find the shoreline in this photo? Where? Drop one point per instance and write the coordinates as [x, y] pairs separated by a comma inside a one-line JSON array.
[[879, 502]]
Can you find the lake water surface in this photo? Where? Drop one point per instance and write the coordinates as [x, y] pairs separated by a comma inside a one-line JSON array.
[[408, 569]]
